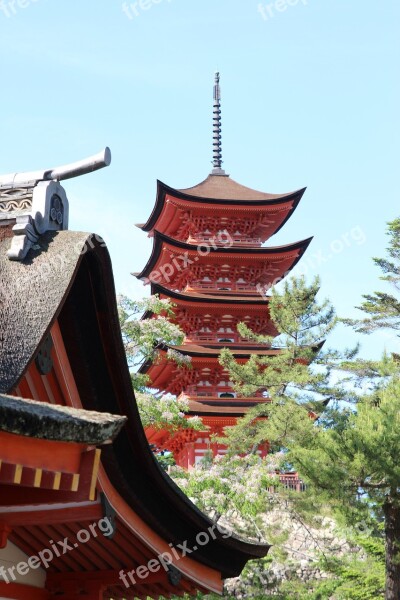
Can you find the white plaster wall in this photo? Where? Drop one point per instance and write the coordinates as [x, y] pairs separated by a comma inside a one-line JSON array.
[[10, 556]]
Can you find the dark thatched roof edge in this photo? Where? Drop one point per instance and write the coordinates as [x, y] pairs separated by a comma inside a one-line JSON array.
[[58, 423]]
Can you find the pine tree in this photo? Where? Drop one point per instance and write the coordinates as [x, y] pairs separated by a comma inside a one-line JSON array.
[[298, 378], [383, 308], [349, 455]]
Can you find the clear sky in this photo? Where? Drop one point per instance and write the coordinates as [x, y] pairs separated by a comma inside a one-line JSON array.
[[310, 97]]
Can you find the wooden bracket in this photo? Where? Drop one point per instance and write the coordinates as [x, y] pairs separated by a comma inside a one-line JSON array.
[[5, 531]]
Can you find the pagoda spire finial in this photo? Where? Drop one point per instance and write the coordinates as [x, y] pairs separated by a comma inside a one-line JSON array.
[[217, 138]]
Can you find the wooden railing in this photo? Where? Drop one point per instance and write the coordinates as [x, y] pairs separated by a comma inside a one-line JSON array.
[[292, 481]]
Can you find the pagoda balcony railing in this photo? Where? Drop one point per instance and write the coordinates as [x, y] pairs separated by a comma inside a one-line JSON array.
[[220, 287], [215, 400], [292, 481], [222, 343], [194, 392], [235, 240]]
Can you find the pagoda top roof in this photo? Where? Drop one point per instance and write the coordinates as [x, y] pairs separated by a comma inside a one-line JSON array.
[[222, 187], [217, 189]]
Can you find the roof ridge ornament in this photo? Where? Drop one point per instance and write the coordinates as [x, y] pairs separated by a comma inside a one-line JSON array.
[[217, 137], [87, 165], [37, 202]]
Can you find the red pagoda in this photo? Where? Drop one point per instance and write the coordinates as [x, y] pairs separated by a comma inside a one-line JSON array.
[[208, 258]]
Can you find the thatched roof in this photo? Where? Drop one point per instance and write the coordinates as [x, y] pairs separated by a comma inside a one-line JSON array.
[[31, 295], [59, 423]]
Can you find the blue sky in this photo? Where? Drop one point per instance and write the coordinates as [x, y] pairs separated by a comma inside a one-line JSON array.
[[310, 97]]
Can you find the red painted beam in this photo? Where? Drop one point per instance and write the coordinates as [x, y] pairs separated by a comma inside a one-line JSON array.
[[46, 516], [63, 581], [37, 453]]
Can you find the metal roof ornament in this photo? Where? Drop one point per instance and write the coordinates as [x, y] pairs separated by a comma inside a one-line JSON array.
[[217, 137]]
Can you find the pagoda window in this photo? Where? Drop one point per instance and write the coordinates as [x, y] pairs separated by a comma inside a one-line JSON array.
[[227, 340], [226, 395]]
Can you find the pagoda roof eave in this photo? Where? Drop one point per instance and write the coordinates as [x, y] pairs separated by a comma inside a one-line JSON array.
[[255, 199], [161, 238], [224, 409], [238, 352], [159, 289], [195, 351]]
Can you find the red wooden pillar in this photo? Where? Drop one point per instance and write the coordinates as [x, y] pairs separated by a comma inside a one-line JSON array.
[[191, 458]]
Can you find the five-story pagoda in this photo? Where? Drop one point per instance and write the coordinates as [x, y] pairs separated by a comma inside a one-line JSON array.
[[208, 258]]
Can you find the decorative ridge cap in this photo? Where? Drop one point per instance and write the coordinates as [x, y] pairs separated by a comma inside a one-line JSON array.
[[32, 178], [38, 202]]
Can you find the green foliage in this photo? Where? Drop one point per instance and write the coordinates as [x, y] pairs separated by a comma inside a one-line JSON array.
[[383, 308], [303, 325], [237, 489], [297, 378], [141, 336], [349, 455], [166, 412], [166, 460], [358, 456]]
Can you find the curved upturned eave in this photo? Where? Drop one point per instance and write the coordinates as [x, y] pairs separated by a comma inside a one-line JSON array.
[[93, 342], [163, 190], [156, 288], [160, 238], [197, 351]]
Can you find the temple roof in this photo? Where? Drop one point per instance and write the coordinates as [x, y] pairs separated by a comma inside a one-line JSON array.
[[161, 240], [193, 297], [218, 190], [59, 423], [195, 350], [204, 352], [222, 187], [225, 409], [31, 295]]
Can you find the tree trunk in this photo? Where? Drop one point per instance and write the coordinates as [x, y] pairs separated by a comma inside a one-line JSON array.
[[392, 547]]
